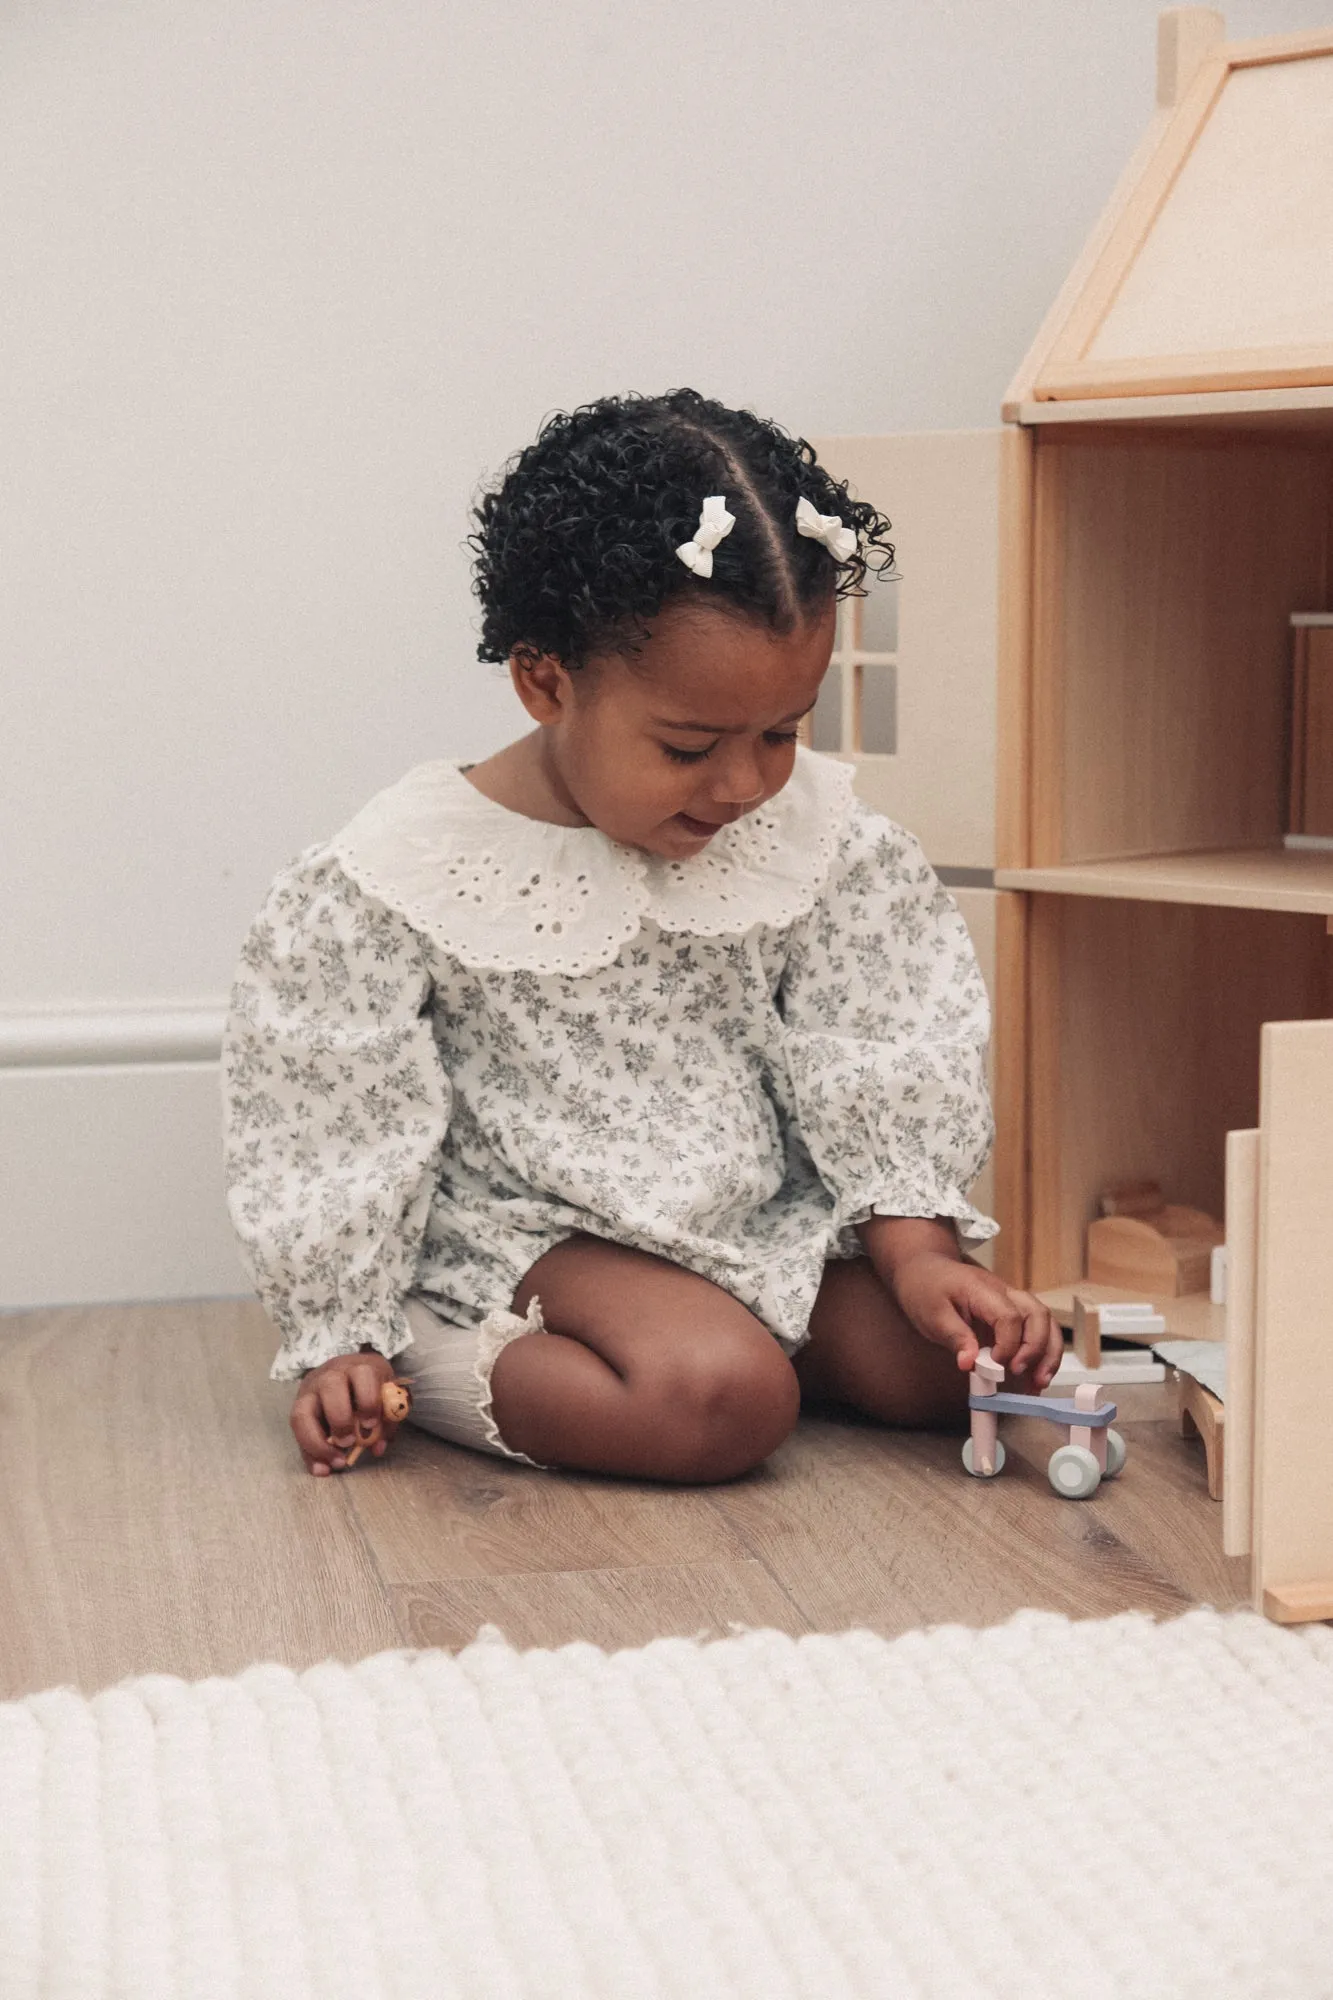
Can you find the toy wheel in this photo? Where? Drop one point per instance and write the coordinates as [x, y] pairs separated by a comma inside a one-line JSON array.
[[967, 1460], [1115, 1454], [1074, 1472]]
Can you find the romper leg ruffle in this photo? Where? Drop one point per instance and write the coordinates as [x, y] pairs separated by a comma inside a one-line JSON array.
[[449, 1368]]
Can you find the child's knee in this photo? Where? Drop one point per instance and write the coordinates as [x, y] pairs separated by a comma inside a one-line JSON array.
[[723, 1412]]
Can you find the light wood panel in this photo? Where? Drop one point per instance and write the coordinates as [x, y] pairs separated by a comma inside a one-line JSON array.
[[1165, 572], [1242, 1225], [1046, 670], [1013, 707], [1048, 1248], [1186, 38], [1143, 1050], [1293, 1367], [1286, 412], [1299, 881]]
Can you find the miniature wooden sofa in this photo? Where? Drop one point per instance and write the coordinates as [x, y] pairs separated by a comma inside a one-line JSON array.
[[1091, 1451]]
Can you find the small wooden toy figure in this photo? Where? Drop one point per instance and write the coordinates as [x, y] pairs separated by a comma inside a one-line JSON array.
[[395, 1401], [1091, 1451]]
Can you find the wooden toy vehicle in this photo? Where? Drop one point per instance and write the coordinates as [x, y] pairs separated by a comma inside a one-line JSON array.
[[1092, 1451]]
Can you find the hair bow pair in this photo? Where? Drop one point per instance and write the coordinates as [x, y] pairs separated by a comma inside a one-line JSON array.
[[716, 523]]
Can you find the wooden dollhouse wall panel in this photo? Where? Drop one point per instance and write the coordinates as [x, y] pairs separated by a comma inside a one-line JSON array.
[[1293, 1466], [1144, 1029], [1166, 568]]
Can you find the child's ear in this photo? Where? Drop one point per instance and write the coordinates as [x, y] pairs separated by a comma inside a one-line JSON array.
[[542, 684]]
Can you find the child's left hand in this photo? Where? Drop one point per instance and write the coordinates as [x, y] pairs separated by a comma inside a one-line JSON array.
[[961, 1306]]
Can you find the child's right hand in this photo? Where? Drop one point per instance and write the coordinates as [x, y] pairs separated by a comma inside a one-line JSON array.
[[338, 1405]]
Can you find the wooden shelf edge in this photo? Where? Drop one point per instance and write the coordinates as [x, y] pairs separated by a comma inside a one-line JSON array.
[[1157, 881], [1167, 407], [1298, 1603]]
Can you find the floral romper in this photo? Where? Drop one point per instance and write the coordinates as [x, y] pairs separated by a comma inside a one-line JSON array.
[[458, 1035]]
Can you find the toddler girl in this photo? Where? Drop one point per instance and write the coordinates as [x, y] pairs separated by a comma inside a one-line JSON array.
[[625, 1088]]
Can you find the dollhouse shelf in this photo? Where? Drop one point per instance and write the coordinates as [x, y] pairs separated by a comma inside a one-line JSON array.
[[1244, 878], [1287, 411]]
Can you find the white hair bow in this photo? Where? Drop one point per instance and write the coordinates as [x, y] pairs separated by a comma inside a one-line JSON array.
[[826, 528], [715, 523]]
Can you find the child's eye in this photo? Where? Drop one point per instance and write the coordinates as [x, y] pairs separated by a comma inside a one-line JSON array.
[[697, 756]]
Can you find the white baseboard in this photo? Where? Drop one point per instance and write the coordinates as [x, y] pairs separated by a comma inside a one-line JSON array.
[[160, 1032], [111, 1184]]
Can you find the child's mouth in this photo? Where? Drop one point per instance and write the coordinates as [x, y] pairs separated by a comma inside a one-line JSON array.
[[701, 829]]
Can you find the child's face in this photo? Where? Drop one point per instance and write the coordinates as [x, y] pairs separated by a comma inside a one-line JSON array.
[[662, 751]]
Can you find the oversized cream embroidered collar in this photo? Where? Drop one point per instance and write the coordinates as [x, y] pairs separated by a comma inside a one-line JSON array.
[[497, 890]]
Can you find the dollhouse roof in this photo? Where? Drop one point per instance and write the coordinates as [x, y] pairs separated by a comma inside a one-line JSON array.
[[1212, 268]]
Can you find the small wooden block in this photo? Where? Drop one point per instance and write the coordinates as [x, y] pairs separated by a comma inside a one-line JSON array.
[[1299, 1603], [1202, 1415], [1087, 1332]]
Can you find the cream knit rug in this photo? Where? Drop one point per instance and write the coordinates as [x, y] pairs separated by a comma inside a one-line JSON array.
[[1045, 1808]]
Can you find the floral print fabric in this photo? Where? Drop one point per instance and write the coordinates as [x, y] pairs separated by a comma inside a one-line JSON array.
[[398, 1119]]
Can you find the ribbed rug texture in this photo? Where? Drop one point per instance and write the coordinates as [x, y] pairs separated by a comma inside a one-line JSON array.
[[1113, 1807]]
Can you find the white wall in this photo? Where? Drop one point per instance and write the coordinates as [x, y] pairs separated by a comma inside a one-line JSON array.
[[283, 281]]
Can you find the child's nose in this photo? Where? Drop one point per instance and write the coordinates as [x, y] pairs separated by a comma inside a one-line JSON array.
[[738, 778]]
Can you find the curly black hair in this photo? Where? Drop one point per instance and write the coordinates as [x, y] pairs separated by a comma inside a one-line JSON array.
[[576, 546]]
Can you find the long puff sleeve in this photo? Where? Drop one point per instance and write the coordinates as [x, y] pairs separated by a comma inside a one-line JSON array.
[[887, 1022], [335, 1108]]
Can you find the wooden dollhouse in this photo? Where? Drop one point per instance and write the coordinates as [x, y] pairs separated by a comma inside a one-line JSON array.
[[1162, 908]]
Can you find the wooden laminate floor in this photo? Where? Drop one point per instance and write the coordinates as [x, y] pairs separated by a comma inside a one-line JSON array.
[[155, 1517]]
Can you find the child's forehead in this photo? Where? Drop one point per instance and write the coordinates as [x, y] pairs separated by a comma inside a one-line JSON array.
[[714, 667]]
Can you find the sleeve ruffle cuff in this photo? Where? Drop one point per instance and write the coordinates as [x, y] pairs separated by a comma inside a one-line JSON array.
[[900, 1199], [386, 1331]]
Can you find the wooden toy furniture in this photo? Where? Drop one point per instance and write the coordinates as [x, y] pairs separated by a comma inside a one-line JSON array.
[[1090, 1453], [1203, 1416], [1135, 1320], [1277, 1488], [1166, 504], [1164, 954], [1165, 1252], [1163, 504]]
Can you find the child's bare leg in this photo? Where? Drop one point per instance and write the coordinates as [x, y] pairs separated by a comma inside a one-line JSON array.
[[647, 1370], [863, 1352]]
